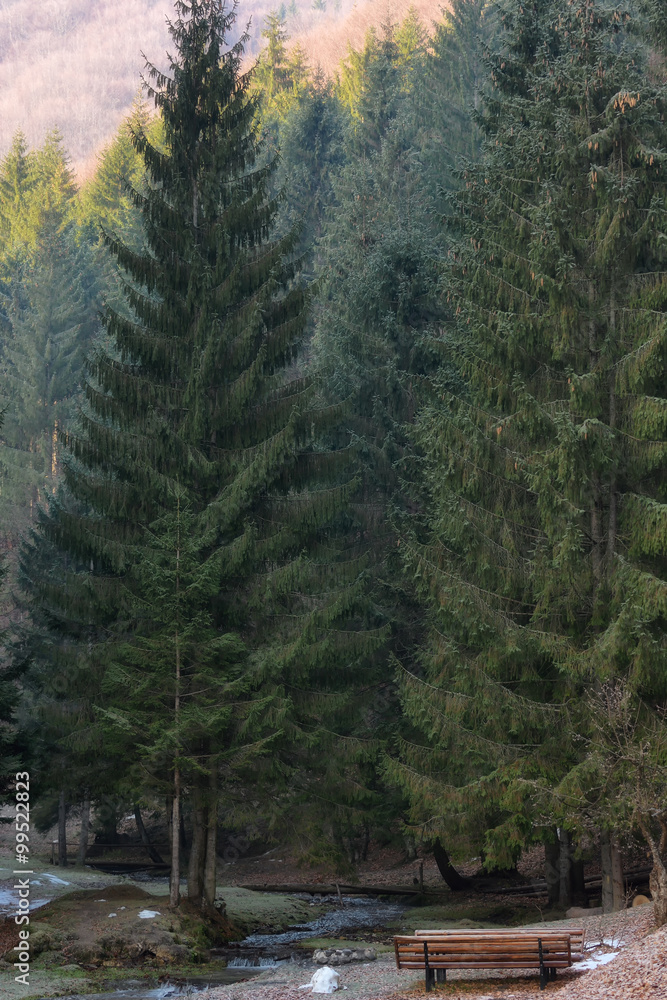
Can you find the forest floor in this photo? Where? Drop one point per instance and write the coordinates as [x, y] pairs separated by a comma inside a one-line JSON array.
[[70, 929]]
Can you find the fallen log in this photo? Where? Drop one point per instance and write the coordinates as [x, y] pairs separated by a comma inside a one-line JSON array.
[[321, 889]]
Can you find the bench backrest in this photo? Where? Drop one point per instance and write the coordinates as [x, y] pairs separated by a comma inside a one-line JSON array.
[[576, 935]]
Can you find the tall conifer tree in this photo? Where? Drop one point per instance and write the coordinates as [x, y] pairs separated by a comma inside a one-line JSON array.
[[194, 396], [542, 550]]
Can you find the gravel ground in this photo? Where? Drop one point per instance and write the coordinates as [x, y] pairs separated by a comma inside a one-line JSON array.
[[639, 972]]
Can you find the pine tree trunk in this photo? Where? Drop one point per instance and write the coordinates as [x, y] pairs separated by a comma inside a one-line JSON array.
[[617, 880], [579, 897], [210, 864], [145, 839], [62, 830], [663, 833], [552, 869], [454, 879], [85, 823], [366, 842], [658, 876], [605, 866], [565, 870], [175, 873], [168, 806], [197, 858]]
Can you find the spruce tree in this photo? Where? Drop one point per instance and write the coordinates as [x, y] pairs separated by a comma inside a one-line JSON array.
[[16, 183], [192, 393], [376, 262], [52, 322], [540, 550]]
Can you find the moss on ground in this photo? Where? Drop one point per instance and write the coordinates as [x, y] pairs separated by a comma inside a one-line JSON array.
[[463, 915], [252, 910]]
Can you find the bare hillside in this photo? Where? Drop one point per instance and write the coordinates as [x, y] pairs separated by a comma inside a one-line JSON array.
[[76, 64]]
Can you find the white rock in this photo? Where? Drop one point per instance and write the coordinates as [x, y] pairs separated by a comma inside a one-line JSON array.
[[113, 914], [325, 980], [149, 914]]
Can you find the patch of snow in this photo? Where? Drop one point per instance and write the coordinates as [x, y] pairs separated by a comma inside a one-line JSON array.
[[55, 879], [149, 914], [596, 959], [112, 915]]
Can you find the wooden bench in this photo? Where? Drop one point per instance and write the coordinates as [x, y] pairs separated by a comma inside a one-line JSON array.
[[577, 935], [494, 950]]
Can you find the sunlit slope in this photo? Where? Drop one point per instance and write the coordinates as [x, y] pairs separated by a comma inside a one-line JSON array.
[[76, 64], [326, 42]]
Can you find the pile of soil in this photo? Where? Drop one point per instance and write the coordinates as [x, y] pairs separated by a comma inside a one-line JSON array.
[[116, 926]]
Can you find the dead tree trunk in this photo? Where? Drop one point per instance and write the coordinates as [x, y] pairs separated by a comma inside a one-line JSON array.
[[454, 879], [62, 829], [85, 823]]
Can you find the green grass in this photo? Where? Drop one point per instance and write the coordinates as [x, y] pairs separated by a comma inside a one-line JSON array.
[[464, 915]]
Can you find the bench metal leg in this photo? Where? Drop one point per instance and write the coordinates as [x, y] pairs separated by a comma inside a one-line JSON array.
[[543, 971], [429, 975], [441, 975]]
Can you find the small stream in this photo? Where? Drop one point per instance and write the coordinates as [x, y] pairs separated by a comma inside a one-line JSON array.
[[259, 952], [135, 990], [357, 913], [39, 886]]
